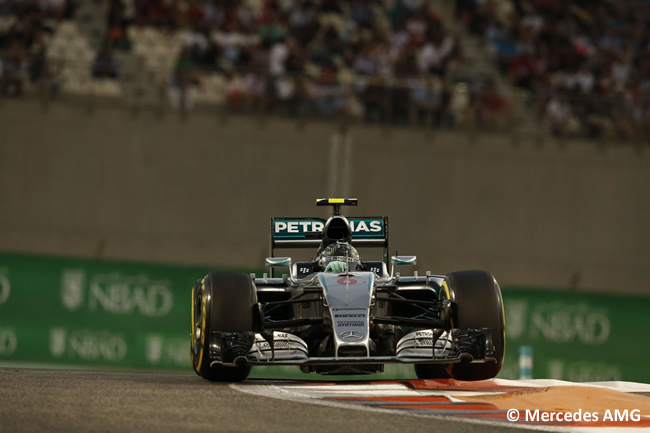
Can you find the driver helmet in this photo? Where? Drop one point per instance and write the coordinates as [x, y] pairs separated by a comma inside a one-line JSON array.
[[340, 257]]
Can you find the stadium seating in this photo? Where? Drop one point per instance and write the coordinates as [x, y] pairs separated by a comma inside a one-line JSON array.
[[582, 64]]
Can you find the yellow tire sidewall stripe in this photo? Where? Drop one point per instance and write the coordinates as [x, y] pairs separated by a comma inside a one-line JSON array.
[[444, 286], [446, 289], [192, 330], [203, 314]]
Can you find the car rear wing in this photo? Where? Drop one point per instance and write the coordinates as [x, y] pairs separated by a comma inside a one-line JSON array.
[[307, 232]]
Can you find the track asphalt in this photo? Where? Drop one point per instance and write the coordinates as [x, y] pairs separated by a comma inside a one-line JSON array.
[[90, 401]]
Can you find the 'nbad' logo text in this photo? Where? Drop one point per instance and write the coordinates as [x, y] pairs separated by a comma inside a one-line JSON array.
[[5, 286], [116, 293], [87, 345]]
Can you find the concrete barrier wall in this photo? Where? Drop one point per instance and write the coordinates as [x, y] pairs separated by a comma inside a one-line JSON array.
[[108, 184]]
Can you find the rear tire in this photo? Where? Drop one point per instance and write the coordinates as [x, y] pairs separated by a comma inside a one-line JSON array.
[[477, 304], [221, 302]]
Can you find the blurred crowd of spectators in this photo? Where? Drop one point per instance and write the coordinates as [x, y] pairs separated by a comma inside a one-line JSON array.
[[383, 60], [23, 27], [374, 58], [586, 62]]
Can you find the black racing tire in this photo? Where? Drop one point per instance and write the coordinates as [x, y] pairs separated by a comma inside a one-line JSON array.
[[221, 302], [477, 303]]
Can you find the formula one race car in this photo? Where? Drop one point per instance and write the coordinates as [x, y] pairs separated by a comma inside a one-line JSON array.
[[337, 314]]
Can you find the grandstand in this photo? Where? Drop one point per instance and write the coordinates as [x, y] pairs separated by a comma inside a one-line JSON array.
[[564, 69]]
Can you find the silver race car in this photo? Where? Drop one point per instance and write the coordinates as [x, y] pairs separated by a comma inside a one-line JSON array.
[[338, 314]]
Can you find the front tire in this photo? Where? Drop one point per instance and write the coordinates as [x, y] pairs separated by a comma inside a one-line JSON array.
[[477, 301], [222, 304]]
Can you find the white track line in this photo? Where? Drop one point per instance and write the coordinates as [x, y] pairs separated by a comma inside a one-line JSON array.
[[316, 393], [542, 383]]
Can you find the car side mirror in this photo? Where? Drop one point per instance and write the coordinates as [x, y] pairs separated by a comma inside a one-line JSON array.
[[278, 262], [400, 261]]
